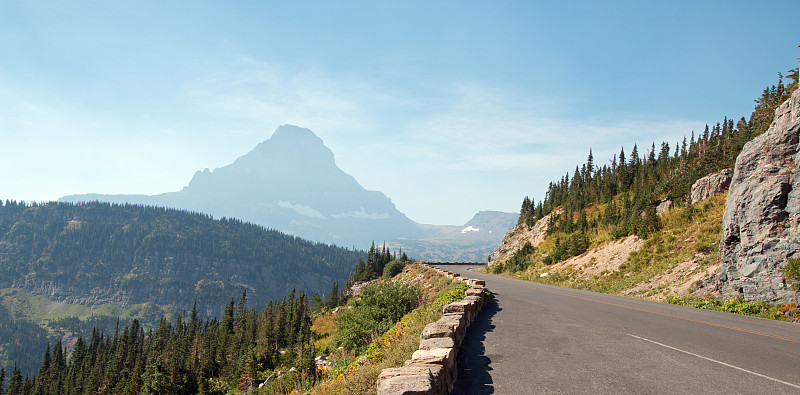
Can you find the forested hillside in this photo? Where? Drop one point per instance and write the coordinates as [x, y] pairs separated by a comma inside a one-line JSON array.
[[87, 264], [96, 253], [601, 203]]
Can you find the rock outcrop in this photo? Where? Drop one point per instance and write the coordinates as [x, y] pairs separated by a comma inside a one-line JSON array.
[[663, 207], [517, 236], [762, 212], [711, 185]]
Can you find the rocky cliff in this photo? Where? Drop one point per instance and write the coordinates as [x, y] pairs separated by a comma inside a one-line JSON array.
[[711, 185], [762, 212], [517, 236]]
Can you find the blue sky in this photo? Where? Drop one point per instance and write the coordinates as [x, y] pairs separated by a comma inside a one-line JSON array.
[[448, 107]]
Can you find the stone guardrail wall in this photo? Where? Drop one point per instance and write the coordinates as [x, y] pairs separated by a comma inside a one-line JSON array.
[[432, 368]]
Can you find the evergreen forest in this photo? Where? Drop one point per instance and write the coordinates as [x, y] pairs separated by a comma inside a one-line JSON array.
[[188, 356]]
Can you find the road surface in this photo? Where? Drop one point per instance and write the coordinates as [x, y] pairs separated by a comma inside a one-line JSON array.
[[539, 339]]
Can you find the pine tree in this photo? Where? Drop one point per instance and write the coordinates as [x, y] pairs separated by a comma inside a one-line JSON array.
[[15, 384], [333, 299]]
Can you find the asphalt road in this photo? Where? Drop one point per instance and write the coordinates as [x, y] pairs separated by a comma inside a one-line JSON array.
[[539, 339]]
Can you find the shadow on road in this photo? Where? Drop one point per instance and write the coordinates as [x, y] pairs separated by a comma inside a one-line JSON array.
[[473, 365]]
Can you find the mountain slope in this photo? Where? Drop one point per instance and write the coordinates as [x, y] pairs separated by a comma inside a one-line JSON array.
[[96, 253]]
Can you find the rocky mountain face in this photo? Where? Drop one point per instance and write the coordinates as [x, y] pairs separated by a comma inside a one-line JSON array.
[[711, 185], [520, 234], [291, 183], [762, 212]]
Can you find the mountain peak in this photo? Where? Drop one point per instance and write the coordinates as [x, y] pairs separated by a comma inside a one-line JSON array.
[[285, 133]]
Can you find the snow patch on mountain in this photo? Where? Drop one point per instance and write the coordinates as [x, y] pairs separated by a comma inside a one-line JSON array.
[[305, 211], [363, 214]]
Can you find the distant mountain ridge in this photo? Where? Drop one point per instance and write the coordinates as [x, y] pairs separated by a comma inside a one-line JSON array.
[[471, 242], [291, 183]]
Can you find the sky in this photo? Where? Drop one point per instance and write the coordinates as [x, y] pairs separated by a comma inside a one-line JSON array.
[[447, 107]]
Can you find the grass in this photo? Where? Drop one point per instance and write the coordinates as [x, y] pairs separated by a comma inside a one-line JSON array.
[[43, 311]]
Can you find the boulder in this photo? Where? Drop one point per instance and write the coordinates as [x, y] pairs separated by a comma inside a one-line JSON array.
[[440, 356], [458, 323], [710, 185], [456, 307], [663, 206], [762, 213], [474, 291]]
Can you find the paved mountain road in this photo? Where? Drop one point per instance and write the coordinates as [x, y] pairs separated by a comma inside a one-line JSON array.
[[537, 339]]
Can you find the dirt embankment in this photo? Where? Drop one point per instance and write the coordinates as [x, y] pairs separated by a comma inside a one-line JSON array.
[[605, 258], [609, 257]]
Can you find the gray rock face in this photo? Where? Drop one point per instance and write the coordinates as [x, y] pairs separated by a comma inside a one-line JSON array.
[[663, 207], [711, 185], [762, 212]]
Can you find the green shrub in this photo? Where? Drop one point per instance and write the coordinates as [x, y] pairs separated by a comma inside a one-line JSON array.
[[791, 272], [453, 295], [378, 308], [393, 268]]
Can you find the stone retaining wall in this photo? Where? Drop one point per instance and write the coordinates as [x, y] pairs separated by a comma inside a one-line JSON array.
[[432, 368]]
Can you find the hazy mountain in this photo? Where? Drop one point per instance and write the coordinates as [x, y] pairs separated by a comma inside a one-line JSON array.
[[471, 242], [289, 182]]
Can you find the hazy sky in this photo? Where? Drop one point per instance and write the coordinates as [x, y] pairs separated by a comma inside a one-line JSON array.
[[448, 107]]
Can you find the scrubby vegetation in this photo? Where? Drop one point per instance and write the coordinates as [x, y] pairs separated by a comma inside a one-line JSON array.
[[738, 306], [683, 237], [376, 309], [792, 273]]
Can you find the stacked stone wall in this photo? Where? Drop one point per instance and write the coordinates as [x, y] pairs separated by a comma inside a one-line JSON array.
[[432, 368]]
